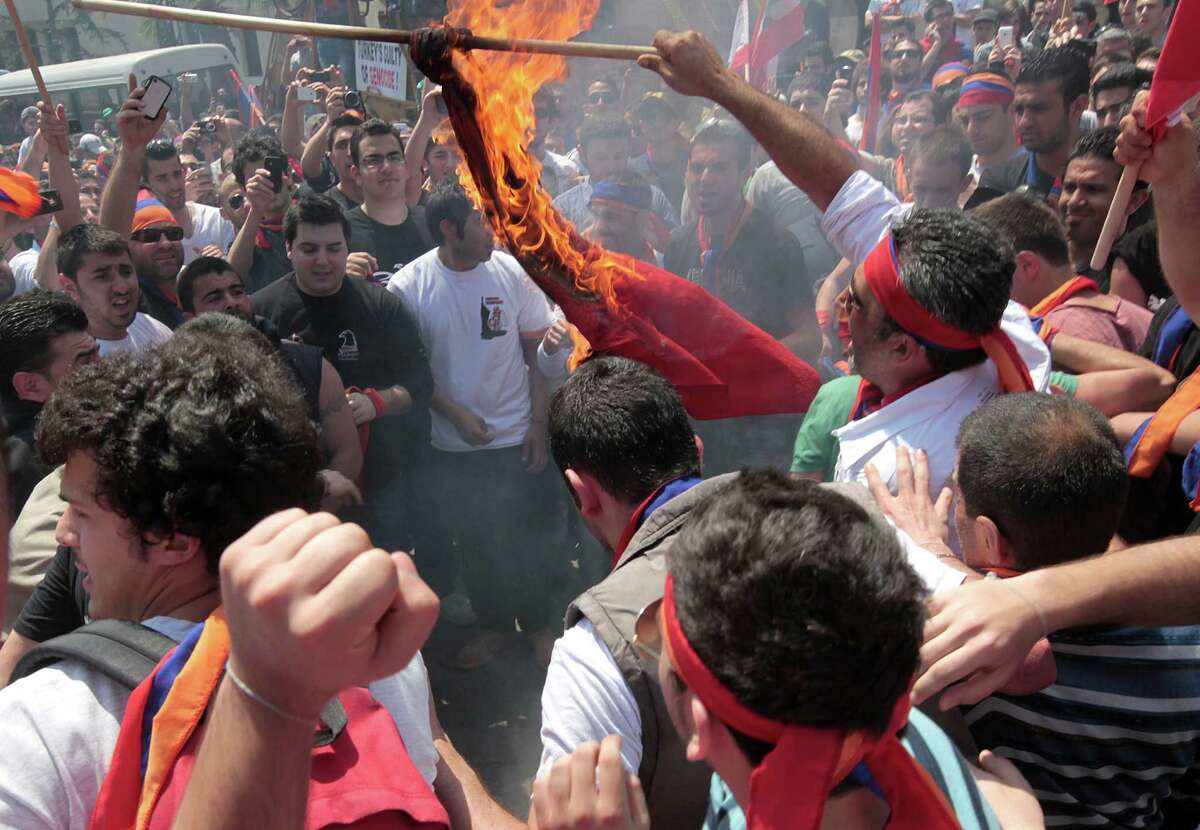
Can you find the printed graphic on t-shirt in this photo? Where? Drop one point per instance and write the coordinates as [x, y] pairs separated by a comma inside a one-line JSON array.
[[491, 315], [347, 346]]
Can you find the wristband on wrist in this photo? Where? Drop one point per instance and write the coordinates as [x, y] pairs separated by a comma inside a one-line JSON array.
[[245, 689], [824, 320], [377, 401]]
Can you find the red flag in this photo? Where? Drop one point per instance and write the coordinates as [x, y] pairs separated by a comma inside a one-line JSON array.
[[722, 365], [866, 142], [1177, 76], [779, 26]]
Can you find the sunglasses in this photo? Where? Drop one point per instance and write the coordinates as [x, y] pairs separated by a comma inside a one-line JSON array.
[[151, 235], [901, 54], [602, 98], [647, 632], [236, 201]]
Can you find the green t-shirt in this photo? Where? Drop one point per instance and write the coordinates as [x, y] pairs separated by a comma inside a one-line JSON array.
[[928, 744], [816, 450]]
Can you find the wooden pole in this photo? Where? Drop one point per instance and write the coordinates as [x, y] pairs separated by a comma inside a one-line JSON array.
[[330, 30], [27, 50], [1115, 219]]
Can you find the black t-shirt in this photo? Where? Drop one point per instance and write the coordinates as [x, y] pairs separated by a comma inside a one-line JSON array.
[[762, 274], [58, 605], [393, 246], [270, 263], [1139, 249], [370, 338]]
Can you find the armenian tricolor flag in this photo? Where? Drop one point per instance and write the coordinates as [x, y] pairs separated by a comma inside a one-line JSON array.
[[19, 193]]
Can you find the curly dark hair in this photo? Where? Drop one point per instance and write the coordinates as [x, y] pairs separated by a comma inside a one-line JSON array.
[[188, 439], [253, 147], [800, 603]]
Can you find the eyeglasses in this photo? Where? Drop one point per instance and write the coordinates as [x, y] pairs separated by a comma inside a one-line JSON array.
[[377, 162], [236, 201], [901, 54], [149, 236], [647, 632]]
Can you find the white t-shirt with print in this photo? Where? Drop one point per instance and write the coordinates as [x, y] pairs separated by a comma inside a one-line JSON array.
[[472, 323], [143, 333], [59, 727], [209, 227]]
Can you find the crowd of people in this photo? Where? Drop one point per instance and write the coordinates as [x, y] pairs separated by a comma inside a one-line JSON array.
[[276, 402]]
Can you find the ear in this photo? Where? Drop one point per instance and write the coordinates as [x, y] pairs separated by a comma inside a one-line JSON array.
[[989, 542], [178, 549], [1136, 200], [586, 491], [702, 728], [447, 227], [1077, 107], [68, 286], [31, 386], [1029, 266]]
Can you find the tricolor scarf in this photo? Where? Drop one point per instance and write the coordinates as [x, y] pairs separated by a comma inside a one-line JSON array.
[[1055, 299], [364, 779], [1031, 177], [260, 238], [172, 701], [881, 270], [789, 789]]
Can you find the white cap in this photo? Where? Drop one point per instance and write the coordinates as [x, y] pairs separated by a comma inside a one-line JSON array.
[[91, 143]]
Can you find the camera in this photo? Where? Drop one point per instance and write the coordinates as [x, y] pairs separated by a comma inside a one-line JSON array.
[[352, 99], [208, 125]]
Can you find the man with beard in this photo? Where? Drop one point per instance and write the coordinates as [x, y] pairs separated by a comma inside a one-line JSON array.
[[156, 248], [1091, 179], [1051, 95], [905, 60], [384, 225], [985, 112], [202, 225], [95, 270]]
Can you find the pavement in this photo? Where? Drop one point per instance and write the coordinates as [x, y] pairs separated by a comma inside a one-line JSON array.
[[493, 713]]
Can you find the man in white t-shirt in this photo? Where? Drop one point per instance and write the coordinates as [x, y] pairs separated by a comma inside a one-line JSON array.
[[95, 270], [482, 319], [203, 225], [149, 512]]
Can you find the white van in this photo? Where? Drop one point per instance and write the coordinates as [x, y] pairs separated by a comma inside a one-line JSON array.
[[88, 87]]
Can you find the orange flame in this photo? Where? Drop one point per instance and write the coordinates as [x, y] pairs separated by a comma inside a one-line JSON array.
[[505, 83]]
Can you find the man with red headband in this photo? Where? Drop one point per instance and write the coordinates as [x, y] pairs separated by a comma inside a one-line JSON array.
[[933, 330], [786, 643]]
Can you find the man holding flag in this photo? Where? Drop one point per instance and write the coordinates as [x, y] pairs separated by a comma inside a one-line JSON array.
[[934, 332]]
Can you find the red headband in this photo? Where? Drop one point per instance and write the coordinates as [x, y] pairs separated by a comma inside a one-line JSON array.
[[881, 269], [788, 790]]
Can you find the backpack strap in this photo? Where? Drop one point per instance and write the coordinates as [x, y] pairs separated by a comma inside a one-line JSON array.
[[125, 651]]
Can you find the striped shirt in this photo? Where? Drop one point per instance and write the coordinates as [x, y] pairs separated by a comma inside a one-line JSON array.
[[1114, 741], [928, 744]]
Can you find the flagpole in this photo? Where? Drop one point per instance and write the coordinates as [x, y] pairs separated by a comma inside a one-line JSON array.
[[568, 48], [1115, 218], [27, 50]]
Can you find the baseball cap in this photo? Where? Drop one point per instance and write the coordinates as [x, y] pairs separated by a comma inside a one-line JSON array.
[[987, 16], [29, 112], [91, 143]]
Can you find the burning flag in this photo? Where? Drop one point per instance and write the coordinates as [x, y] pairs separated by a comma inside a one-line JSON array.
[[19, 193], [722, 365]]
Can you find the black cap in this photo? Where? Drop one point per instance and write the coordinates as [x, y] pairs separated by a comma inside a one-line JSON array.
[[987, 16]]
